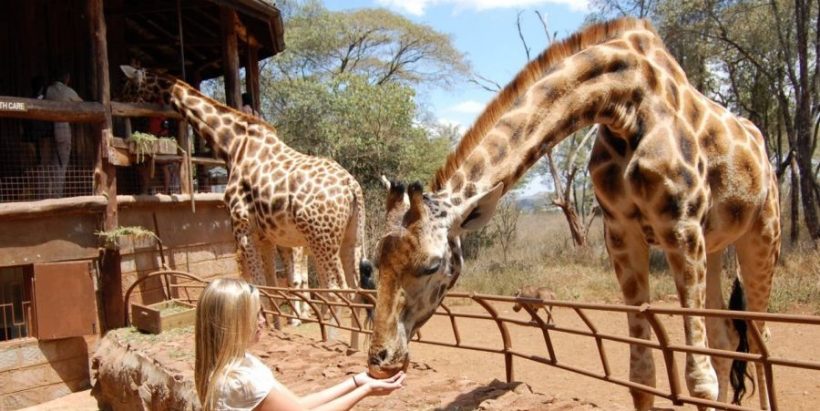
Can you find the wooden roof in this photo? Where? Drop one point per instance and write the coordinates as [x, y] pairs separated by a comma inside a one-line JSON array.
[[150, 31]]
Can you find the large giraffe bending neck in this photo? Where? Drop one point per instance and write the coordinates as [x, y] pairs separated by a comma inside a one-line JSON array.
[[670, 168], [593, 77]]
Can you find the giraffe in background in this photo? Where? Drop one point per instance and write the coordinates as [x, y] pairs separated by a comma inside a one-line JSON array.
[[670, 168], [276, 196]]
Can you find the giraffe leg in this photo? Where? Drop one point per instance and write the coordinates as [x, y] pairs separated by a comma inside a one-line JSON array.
[[267, 253], [286, 255], [329, 271], [718, 330], [351, 254], [688, 263], [630, 258], [757, 254], [247, 252], [297, 270]]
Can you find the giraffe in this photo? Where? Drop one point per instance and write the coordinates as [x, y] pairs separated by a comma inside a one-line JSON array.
[[671, 169], [276, 196]]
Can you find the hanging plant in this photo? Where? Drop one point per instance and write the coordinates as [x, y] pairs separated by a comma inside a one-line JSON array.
[[142, 144], [111, 238]]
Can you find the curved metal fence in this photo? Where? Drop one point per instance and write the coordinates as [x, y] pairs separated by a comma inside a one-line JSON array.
[[351, 303]]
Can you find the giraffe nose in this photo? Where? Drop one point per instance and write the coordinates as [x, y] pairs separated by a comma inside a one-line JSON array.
[[378, 358]]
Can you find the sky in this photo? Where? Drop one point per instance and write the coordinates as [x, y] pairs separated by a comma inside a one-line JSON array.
[[485, 32]]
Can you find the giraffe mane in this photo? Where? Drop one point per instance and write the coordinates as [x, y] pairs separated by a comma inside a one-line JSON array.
[[531, 73]]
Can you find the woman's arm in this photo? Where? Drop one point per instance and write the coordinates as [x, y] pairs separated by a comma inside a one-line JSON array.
[[342, 396], [316, 399]]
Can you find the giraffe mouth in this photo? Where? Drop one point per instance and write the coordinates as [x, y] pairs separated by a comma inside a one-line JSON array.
[[382, 371]]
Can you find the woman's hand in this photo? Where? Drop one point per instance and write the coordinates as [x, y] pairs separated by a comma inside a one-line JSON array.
[[380, 387]]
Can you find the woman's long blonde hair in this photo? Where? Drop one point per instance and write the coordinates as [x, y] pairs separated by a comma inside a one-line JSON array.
[[226, 321]]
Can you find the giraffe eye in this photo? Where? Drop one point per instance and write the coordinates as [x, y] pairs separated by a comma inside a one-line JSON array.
[[432, 268]]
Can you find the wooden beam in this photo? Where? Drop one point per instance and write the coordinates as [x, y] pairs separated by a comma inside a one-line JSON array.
[[105, 174], [245, 35], [94, 204], [120, 109], [185, 185], [230, 57], [34, 109], [252, 75]]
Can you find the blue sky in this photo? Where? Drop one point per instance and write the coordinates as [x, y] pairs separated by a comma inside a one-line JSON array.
[[484, 30]]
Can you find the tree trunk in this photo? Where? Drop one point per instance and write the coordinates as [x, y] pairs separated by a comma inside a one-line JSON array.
[[576, 229], [803, 123], [562, 200], [795, 202]]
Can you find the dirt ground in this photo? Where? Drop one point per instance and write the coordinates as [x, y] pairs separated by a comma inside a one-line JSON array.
[[796, 389], [451, 379]]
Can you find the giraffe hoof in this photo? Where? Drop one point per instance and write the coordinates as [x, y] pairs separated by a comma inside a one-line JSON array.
[[293, 322]]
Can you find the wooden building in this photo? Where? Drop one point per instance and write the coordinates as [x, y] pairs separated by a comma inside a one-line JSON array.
[[60, 286]]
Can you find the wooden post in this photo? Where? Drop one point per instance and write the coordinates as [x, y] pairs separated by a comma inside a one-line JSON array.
[[185, 183], [105, 174], [252, 76], [230, 57]]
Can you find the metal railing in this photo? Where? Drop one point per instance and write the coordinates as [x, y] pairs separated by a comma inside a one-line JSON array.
[[283, 300]]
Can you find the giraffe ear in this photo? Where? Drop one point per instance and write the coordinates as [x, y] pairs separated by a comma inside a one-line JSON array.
[[478, 210], [417, 209], [129, 71]]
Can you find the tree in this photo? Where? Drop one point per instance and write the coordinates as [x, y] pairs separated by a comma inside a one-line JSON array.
[[505, 224], [377, 44], [573, 154]]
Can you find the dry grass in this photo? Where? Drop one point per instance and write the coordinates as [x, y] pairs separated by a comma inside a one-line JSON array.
[[544, 255]]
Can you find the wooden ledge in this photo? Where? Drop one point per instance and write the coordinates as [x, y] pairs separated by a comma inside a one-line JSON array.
[[97, 204]]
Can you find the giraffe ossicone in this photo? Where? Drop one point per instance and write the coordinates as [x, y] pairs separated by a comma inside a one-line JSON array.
[[670, 169], [275, 195]]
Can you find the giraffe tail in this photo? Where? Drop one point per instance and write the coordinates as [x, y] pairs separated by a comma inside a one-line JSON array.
[[739, 373], [361, 242]]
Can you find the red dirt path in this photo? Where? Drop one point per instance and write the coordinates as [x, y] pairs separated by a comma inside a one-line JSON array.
[[797, 389]]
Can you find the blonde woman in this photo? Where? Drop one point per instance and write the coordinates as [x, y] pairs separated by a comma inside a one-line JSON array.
[[228, 321]]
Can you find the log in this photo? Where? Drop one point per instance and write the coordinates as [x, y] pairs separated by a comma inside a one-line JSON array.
[[120, 109], [252, 76], [34, 109], [96, 204], [230, 57]]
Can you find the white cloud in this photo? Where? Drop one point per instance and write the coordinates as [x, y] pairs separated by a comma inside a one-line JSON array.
[[467, 107], [417, 7]]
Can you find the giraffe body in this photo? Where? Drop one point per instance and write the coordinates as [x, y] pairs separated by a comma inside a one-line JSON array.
[[276, 196], [670, 168]]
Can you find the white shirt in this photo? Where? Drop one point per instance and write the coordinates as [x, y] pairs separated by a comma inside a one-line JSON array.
[[58, 91], [245, 386]]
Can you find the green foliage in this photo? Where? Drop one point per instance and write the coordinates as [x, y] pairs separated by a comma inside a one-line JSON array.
[[143, 144], [368, 129], [374, 43], [345, 88]]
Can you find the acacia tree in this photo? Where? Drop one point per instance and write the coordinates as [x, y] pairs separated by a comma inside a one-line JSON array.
[[374, 43], [345, 88], [571, 156], [505, 224]]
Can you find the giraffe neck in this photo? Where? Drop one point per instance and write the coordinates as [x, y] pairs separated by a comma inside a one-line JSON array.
[[598, 84], [224, 128]]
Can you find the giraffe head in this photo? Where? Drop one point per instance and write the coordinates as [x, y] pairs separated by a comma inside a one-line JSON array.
[[419, 259], [143, 86]]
